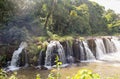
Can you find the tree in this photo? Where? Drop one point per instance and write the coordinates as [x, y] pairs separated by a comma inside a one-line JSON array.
[[6, 11], [113, 21], [97, 20]]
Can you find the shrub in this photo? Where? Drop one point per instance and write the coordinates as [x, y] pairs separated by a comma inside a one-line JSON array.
[[86, 74], [38, 76], [3, 74]]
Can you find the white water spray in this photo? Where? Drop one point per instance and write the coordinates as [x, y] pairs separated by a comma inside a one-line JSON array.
[[100, 48], [15, 57], [89, 54], [50, 50]]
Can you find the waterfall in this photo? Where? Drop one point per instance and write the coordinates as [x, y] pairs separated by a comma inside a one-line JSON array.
[[109, 45], [40, 58], [82, 53], [54, 48], [26, 59], [69, 53], [49, 50], [15, 57], [116, 44], [89, 54], [100, 48], [113, 50], [69, 49], [61, 52]]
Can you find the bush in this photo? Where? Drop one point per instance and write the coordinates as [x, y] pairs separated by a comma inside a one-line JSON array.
[[86, 74], [3, 74]]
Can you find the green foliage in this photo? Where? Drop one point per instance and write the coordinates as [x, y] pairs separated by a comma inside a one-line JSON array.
[[73, 13], [97, 20], [113, 21], [41, 43], [55, 74], [32, 48], [6, 11], [44, 7], [86, 74], [64, 17], [57, 62], [15, 35], [50, 34], [3, 74], [33, 52], [38, 76], [3, 59], [13, 76], [41, 38]]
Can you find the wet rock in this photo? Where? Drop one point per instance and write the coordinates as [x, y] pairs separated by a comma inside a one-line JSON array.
[[92, 46], [108, 45], [6, 52], [76, 50], [68, 50]]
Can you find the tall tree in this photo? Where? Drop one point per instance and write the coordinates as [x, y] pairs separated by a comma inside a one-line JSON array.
[[97, 19]]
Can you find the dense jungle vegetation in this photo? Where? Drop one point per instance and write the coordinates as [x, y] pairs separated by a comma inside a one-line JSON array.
[[22, 19]]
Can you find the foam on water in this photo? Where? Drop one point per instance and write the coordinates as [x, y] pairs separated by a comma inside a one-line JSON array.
[[13, 65]]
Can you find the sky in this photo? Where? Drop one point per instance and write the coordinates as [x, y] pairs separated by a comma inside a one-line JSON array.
[[110, 4]]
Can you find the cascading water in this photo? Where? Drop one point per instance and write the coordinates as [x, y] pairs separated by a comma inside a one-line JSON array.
[[115, 55], [49, 51], [82, 55], [81, 51], [109, 46], [100, 48], [89, 54], [116, 44], [69, 53], [61, 52], [53, 49], [69, 49], [15, 57], [40, 58]]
